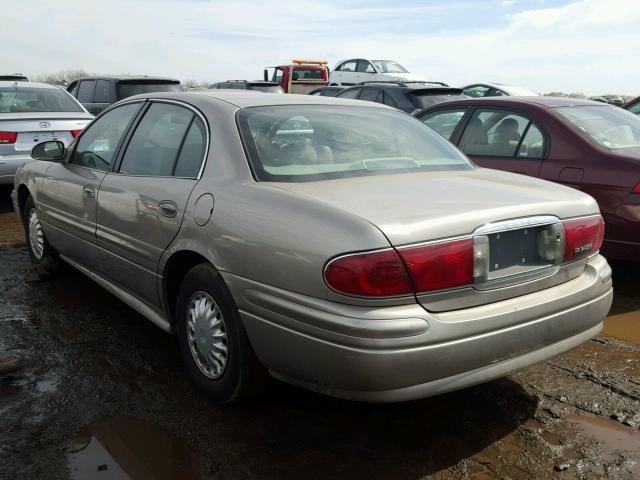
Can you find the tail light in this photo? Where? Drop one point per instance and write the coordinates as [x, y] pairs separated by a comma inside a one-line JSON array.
[[583, 237], [636, 189], [377, 274], [404, 272], [75, 133], [8, 137], [451, 264], [440, 265]]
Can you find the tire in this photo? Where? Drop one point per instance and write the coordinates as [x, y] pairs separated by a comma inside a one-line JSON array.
[[43, 256], [242, 376]]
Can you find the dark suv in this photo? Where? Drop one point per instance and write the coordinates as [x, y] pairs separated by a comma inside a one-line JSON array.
[[258, 85], [409, 97], [14, 77], [97, 93]]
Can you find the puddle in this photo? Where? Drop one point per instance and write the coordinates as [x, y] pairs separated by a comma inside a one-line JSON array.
[[124, 448], [12, 231], [614, 437], [624, 326], [47, 385]]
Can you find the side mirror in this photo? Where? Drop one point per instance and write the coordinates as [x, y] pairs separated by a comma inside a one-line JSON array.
[[52, 151]]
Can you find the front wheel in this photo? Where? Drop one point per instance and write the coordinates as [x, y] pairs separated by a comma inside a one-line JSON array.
[[213, 344], [43, 255]]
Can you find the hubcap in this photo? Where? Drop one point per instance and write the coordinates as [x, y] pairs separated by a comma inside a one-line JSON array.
[[207, 335], [36, 236]]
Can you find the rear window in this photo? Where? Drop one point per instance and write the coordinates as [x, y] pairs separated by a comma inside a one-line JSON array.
[[23, 100], [130, 88], [609, 126], [426, 99], [310, 143], [266, 88], [307, 74]]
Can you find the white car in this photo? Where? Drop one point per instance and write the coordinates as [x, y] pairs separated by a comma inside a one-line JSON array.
[[358, 70], [476, 90], [32, 113]]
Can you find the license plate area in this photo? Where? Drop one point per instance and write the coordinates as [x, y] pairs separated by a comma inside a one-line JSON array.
[[515, 251]]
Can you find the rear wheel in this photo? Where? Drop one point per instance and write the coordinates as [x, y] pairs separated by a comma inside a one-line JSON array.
[[43, 255], [213, 343]]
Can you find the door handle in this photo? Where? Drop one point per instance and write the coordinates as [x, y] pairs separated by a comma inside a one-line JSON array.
[[89, 191], [167, 208]]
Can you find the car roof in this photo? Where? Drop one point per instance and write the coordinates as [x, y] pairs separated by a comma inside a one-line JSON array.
[[126, 77], [18, 83], [501, 86], [540, 101], [248, 98], [261, 83], [409, 86]]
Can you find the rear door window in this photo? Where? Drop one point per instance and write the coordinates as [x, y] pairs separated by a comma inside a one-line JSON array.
[[154, 146], [192, 151], [387, 99], [85, 91], [371, 95], [103, 92], [365, 67], [352, 93], [499, 133], [444, 121], [635, 108]]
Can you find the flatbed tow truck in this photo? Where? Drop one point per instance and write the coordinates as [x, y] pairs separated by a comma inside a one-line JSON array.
[[301, 76]]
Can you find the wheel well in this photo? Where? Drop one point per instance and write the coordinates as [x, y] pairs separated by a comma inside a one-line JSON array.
[[177, 268], [23, 195]]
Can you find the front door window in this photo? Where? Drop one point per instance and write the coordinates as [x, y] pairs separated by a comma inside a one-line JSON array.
[[99, 142]]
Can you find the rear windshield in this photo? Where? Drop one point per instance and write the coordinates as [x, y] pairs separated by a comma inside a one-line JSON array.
[[388, 66], [266, 88], [128, 89], [609, 126], [23, 100], [309, 143], [426, 99], [307, 74]]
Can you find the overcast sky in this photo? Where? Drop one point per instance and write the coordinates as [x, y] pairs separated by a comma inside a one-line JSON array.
[[590, 46]]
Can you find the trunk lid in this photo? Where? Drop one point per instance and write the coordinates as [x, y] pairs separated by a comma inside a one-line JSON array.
[[420, 207], [37, 127]]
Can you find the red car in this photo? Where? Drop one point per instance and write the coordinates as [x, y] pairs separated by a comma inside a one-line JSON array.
[[586, 145], [633, 105]]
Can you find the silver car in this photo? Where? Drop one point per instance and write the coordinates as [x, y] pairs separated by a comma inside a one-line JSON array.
[[338, 245], [31, 113]]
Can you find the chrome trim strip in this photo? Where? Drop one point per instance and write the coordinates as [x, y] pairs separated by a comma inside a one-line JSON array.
[[139, 306], [434, 242], [515, 224]]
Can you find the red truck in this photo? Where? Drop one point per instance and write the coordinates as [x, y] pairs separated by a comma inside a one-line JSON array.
[[301, 76]]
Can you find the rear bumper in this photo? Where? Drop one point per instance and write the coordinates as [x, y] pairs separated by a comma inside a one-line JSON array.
[[9, 164], [402, 353]]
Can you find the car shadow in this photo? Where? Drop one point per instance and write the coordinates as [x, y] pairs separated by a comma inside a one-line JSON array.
[[5, 199], [102, 347], [626, 285], [313, 436]]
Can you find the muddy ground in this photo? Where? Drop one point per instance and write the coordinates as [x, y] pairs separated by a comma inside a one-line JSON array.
[[103, 395]]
